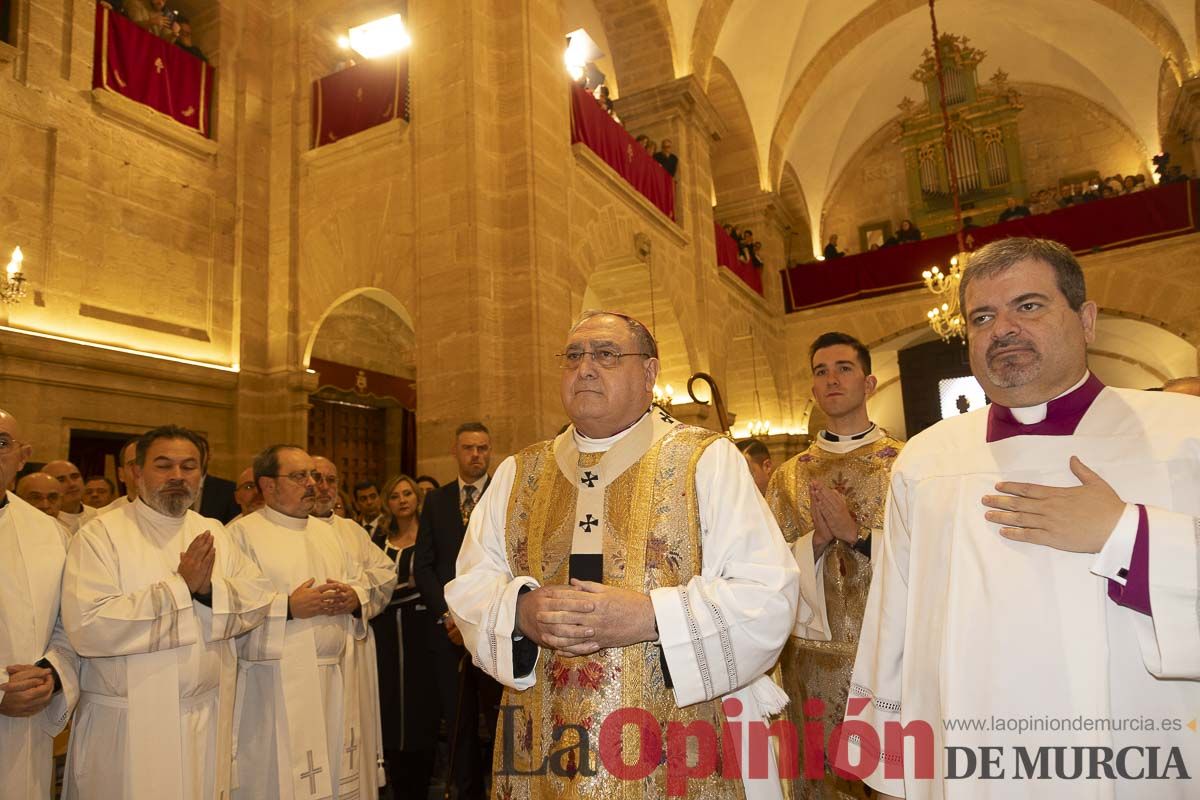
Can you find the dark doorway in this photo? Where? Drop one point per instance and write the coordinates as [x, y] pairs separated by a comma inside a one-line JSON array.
[[922, 368], [98, 453]]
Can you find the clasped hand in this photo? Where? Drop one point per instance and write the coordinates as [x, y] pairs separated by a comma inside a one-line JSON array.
[[327, 599], [196, 564], [831, 517], [585, 617], [28, 690]]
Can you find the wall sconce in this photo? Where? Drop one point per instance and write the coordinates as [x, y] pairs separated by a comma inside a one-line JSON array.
[[12, 291]]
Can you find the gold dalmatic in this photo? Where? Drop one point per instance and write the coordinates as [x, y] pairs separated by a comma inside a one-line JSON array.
[[821, 670], [651, 539]]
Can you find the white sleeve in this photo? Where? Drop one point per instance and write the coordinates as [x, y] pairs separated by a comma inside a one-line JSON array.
[[1170, 637], [727, 626], [812, 616], [875, 684], [1113, 559], [483, 595], [101, 619]]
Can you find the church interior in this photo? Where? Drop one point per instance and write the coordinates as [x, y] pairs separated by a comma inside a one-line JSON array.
[[355, 224]]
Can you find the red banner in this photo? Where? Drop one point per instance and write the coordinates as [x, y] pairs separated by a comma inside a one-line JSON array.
[[592, 125], [137, 64], [360, 97], [727, 256], [1124, 221]]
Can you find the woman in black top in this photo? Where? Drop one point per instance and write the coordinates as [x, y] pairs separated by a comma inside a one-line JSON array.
[[407, 691], [908, 232]]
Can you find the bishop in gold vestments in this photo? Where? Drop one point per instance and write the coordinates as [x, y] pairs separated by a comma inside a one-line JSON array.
[[663, 518]]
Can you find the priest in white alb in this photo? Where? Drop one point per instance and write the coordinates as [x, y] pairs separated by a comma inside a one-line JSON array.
[[1032, 620], [629, 566], [153, 596], [298, 726], [38, 669], [72, 512], [360, 676]]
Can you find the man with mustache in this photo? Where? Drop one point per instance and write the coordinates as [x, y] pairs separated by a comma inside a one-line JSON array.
[[299, 732], [153, 596], [1039, 562], [629, 563], [359, 664]]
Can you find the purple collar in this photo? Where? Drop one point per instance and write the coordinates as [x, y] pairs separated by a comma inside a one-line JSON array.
[[1062, 415]]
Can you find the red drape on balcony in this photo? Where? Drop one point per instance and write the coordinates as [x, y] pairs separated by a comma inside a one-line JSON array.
[[727, 256], [592, 125], [1156, 213], [156, 73], [359, 97]]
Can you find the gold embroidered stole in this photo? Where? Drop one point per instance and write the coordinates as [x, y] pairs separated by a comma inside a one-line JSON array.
[[821, 670], [651, 538]]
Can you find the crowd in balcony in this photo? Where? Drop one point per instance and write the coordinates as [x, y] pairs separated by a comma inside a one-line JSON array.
[[662, 152], [749, 249], [168, 24], [1042, 201]]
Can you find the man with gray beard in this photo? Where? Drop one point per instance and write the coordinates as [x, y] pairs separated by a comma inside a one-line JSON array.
[[153, 596]]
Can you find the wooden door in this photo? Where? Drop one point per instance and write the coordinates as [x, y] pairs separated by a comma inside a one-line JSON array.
[[352, 437]]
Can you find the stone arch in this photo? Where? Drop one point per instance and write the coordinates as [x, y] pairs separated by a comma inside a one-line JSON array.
[[1142, 15], [736, 170], [709, 22], [791, 194], [641, 40], [751, 376], [372, 316]]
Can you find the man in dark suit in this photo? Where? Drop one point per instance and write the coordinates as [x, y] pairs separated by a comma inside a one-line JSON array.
[[444, 517]]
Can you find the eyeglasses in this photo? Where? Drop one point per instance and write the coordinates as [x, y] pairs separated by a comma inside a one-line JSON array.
[[303, 477], [8, 444], [328, 480], [605, 358]]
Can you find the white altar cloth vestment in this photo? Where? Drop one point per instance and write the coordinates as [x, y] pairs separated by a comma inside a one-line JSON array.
[[360, 666], [293, 719], [34, 548], [748, 577], [965, 626], [158, 671]]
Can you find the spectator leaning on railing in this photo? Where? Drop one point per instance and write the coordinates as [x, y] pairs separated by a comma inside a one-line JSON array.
[[184, 42]]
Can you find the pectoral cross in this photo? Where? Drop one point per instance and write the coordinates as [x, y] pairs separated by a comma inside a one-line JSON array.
[[589, 478], [313, 772], [351, 748], [588, 522], [664, 416]]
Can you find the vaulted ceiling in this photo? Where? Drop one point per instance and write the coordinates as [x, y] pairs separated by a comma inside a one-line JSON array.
[[818, 78]]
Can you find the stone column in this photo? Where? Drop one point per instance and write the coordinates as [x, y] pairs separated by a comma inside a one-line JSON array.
[[491, 145], [679, 110]]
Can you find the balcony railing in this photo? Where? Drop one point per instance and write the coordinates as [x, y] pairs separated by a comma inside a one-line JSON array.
[[359, 97], [727, 256], [605, 137], [139, 65], [1157, 213]]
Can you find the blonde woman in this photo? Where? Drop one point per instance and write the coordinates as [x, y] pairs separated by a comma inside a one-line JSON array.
[[407, 691]]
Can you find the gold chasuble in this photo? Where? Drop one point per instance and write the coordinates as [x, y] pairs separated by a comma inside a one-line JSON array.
[[629, 516], [859, 469]]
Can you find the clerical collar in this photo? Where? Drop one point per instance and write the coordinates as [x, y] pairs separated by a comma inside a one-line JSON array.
[[1058, 417], [589, 445], [279, 518], [156, 517], [834, 437]]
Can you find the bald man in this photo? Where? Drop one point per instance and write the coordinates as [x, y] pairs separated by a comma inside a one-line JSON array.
[[1183, 386], [72, 512], [38, 669], [128, 460], [42, 492], [246, 493]]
